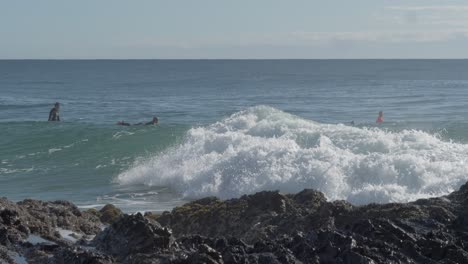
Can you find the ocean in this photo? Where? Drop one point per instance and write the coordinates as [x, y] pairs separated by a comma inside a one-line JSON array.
[[232, 127]]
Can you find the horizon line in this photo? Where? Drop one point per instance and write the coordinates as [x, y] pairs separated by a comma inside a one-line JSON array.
[[215, 59]]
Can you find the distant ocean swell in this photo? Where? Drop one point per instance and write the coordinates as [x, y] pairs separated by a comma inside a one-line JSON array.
[[263, 148]]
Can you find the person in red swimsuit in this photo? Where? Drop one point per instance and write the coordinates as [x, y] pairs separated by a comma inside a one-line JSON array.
[[379, 118]]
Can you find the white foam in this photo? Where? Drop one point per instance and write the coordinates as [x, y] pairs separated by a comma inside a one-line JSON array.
[[69, 235], [34, 239], [52, 150], [92, 206], [9, 171], [263, 148], [17, 258], [120, 134]]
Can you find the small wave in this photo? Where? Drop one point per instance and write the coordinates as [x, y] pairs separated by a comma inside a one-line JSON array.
[[120, 134], [10, 171], [263, 148], [52, 150]]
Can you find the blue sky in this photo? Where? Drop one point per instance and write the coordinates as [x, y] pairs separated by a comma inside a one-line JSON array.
[[152, 29]]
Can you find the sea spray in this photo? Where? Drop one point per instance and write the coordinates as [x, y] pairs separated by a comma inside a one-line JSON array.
[[263, 148]]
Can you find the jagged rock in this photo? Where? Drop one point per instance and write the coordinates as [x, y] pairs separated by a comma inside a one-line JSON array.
[[152, 215], [132, 234], [43, 218], [334, 231], [80, 256], [266, 201], [109, 213], [4, 256], [156, 259], [18, 221], [235, 217], [310, 199], [266, 227]]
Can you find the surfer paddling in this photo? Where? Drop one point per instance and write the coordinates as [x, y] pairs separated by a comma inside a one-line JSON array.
[[123, 123], [154, 121]]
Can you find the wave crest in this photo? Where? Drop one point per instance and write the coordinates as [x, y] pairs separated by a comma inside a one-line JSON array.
[[263, 148]]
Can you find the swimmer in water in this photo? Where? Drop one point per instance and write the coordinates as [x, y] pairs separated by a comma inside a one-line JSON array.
[[380, 118], [54, 113], [152, 122], [123, 123]]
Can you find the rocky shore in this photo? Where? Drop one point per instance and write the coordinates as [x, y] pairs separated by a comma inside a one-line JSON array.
[[266, 227]]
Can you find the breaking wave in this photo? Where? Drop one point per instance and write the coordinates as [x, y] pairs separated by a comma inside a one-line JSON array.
[[262, 148]]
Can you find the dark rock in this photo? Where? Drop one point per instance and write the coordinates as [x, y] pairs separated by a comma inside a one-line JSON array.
[[266, 227], [9, 217], [156, 259], [152, 215], [132, 234], [267, 201], [309, 198], [80, 256], [368, 234], [205, 249], [43, 218], [109, 213]]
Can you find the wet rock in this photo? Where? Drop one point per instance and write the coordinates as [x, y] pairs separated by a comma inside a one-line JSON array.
[[43, 218], [5, 255], [330, 231], [133, 234], [9, 217], [22, 221], [109, 213], [266, 227], [309, 198], [267, 202], [81, 256], [156, 259], [152, 215]]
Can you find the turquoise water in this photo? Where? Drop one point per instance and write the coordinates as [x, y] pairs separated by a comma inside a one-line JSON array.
[[232, 127]]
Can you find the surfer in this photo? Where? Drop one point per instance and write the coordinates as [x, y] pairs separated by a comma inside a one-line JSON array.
[[54, 113], [152, 122], [380, 118], [123, 123]]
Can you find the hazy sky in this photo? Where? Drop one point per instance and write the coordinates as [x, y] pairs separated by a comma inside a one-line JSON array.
[[233, 29]]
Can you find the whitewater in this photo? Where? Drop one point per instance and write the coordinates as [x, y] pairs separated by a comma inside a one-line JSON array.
[[263, 148], [229, 128]]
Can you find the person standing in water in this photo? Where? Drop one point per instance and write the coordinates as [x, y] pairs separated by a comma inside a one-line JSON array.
[[380, 118], [54, 113]]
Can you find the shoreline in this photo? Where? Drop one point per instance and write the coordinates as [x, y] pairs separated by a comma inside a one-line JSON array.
[[265, 227]]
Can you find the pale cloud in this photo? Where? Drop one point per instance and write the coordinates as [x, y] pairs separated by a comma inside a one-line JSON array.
[[456, 8], [442, 16], [400, 25], [424, 20], [305, 39], [382, 36]]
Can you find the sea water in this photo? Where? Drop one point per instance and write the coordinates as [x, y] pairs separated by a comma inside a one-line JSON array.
[[232, 127]]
